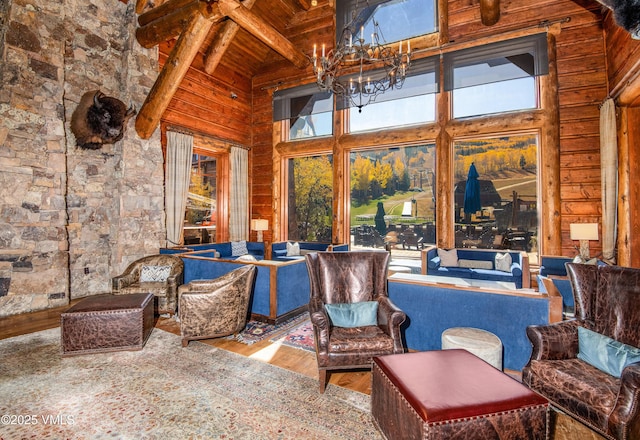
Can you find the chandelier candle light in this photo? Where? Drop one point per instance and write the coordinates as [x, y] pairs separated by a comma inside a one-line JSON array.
[[359, 70]]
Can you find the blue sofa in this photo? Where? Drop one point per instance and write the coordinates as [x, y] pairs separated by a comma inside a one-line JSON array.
[[553, 267], [432, 308], [279, 249], [519, 274], [281, 289], [255, 248]]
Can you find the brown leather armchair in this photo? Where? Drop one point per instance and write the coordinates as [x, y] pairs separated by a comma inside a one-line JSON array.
[[158, 274], [350, 277], [607, 301], [214, 308]]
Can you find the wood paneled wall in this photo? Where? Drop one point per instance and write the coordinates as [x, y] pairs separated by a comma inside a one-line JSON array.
[[582, 86], [204, 103]]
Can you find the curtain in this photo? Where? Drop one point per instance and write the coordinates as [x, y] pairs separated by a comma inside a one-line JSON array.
[[239, 201], [177, 179], [609, 166]]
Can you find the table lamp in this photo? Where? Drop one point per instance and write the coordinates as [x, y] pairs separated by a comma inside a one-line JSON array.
[[259, 225], [584, 232]]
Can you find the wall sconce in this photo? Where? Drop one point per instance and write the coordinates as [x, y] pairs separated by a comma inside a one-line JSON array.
[[584, 232], [260, 225]]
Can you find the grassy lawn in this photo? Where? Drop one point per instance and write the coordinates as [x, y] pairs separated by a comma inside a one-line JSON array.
[[392, 206]]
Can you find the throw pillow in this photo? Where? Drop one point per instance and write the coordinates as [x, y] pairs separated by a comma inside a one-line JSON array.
[[154, 274], [293, 249], [579, 260], [476, 264], [358, 314], [247, 257], [448, 258], [239, 248], [503, 262], [604, 353]]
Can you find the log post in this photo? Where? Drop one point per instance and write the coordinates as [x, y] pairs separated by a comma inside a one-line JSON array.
[[262, 31], [551, 227], [171, 76], [489, 12]]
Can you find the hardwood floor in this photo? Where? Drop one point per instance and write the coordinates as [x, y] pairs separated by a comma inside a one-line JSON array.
[[293, 359]]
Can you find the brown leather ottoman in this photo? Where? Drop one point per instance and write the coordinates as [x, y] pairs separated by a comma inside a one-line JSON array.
[[452, 394], [103, 323]]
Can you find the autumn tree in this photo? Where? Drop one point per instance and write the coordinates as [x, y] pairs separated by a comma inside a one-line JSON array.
[[313, 177]]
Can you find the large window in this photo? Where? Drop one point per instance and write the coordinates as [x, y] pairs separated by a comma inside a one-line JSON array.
[[201, 213], [308, 111], [389, 193], [310, 198], [393, 197], [398, 19], [413, 103], [495, 193], [497, 77]]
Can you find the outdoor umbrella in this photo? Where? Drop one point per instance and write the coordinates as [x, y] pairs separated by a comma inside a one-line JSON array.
[[472, 192]]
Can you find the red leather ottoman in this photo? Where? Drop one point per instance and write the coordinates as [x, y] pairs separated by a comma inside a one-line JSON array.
[[452, 394], [103, 323]]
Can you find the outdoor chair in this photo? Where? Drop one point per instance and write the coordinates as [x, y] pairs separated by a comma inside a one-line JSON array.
[[410, 238], [353, 283]]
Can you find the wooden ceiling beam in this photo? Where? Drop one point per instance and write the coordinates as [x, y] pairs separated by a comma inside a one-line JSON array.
[[160, 10], [172, 74], [171, 24], [489, 12], [305, 4], [222, 41], [253, 24]]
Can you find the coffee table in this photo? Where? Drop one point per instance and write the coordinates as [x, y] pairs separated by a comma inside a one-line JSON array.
[[453, 395]]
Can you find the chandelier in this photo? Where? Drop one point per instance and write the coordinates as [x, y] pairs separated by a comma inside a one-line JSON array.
[[360, 69]]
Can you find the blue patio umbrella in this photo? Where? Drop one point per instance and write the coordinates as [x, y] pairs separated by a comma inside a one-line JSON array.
[[472, 192]]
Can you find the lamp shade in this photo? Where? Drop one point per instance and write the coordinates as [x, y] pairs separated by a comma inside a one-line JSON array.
[[584, 231], [259, 224]]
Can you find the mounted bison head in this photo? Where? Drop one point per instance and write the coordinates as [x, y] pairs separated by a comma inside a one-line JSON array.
[[99, 119], [626, 14]]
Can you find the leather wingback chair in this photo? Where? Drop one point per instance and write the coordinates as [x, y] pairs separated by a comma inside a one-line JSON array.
[[158, 274], [214, 308], [349, 277], [607, 301]]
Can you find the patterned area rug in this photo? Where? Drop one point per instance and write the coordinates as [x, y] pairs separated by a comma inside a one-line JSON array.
[[256, 331], [300, 336], [166, 392]]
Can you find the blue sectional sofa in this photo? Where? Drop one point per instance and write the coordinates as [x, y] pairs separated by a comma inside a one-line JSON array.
[[279, 249], [254, 248], [281, 289], [519, 273], [432, 308], [553, 267]]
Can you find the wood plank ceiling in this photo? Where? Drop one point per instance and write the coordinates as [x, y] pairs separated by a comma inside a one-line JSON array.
[[247, 35], [239, 37]]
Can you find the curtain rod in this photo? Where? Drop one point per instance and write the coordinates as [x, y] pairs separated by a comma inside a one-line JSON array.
[[192, 132]]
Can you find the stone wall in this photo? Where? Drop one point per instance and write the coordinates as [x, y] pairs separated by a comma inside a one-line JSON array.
[[70, 219]]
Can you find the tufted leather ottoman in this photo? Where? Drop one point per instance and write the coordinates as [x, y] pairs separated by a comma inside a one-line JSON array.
[[103, 323], [452, 394]]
